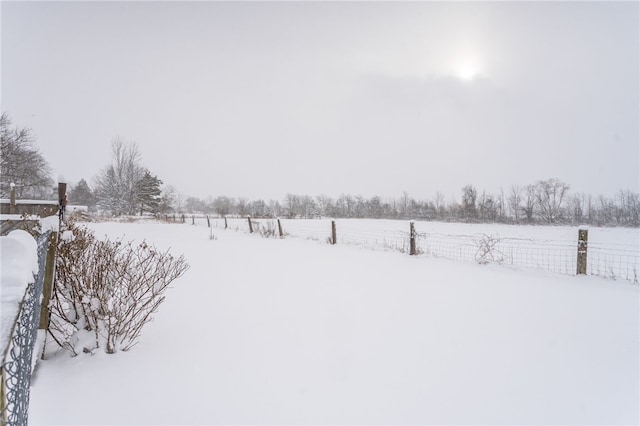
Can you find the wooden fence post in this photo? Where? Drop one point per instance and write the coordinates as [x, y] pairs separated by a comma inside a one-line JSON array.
[[225, 223], [182, 217], [280, 229], [12, 198], [47, 287], [250, 226], [208, 222], [193, 219], [334, 235], [583, 237], [412, 238]]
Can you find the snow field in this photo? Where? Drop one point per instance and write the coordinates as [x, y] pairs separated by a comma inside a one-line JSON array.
[[613, 252], [265, 331]]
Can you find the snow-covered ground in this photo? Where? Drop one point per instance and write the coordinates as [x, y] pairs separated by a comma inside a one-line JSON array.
[[612, 252], [268, 331], [19, 263]]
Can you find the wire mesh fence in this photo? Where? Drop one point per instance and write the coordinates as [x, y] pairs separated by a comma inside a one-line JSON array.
[[553, 256], [609, 260], [17, 358], [619, 261]]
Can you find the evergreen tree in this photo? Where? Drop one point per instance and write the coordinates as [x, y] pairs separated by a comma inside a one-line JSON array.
[[149, 193], [82, 195]]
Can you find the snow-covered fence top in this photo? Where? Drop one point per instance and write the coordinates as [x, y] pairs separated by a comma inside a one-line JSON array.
[[37, 207]]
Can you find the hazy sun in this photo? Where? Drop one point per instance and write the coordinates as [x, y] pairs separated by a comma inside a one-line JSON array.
[[467, 64], [467, 71]]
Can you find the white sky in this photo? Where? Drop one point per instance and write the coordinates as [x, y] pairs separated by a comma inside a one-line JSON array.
[[261, 99]]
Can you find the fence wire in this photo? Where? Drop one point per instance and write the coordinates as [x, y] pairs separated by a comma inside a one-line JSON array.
[[615, 261], [17, 361]]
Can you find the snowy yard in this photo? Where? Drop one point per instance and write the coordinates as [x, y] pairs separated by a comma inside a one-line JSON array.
[[266, 331]]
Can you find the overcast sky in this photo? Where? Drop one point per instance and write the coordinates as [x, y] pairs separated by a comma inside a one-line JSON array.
[[261, 99]]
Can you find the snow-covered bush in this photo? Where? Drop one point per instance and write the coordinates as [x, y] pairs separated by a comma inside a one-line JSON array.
[[266, 229], [106, 291], [487, 251]]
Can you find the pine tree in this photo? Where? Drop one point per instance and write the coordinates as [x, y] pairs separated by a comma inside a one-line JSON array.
[[148, 192], [82, 195]]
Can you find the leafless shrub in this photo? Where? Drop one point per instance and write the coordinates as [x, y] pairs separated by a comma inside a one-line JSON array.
[[266, 229], [487, 251], [106, 291]]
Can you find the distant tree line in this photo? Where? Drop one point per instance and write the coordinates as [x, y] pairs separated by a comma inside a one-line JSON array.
[[543, 202], [126, 187]]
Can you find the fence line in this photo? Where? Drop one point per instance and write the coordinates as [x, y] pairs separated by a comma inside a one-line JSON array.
[[17, 358], [615, 260]]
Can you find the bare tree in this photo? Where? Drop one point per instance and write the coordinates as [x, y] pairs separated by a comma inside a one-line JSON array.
[[438, 204], [194, 205], [501, 206], [242, 206], [308, 206], [167, 199], [117, 184], [222, 205], [292, 205], [549, 195], [21, 163], [325, 205], [577, 207], [469, 195], [629, 203], [514, 200], [529, 202]]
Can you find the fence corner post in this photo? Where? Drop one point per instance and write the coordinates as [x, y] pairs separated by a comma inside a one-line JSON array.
[[208, 222], [412, 238], [250, 226], [583, 237]]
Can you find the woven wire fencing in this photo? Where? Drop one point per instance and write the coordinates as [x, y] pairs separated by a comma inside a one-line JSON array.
[[553, 256], [609, 260], [616, 261], [17, 358]]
